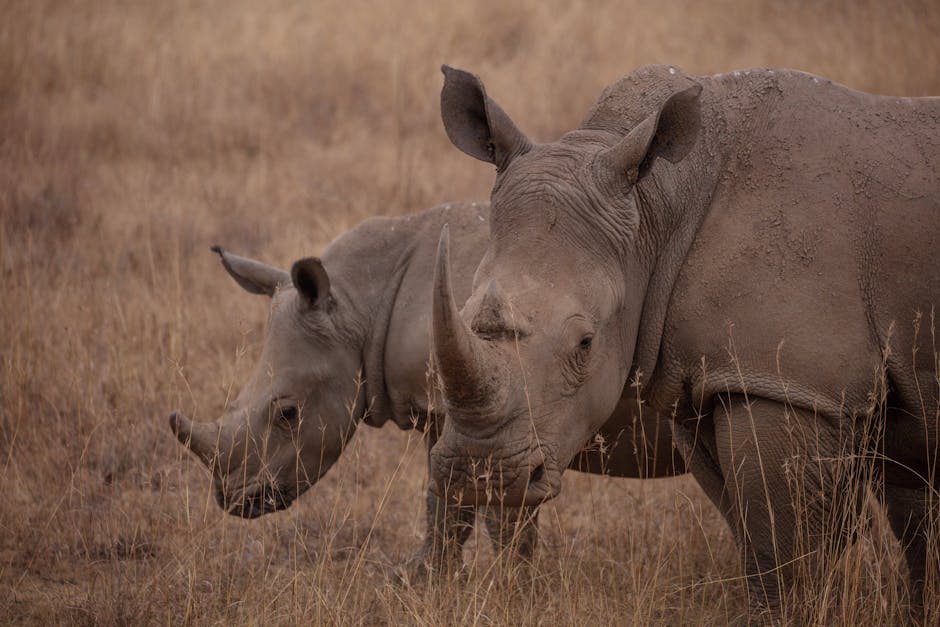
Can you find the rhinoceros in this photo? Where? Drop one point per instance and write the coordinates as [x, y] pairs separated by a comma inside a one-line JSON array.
[[759, 249], [347, 341]]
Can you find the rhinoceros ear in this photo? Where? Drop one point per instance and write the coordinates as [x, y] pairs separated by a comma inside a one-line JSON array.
[[476, 124], [669, 132], [311, 280], [254, 276]]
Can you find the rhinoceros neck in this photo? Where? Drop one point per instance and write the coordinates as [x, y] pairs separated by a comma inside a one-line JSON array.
[[367, 265], [383, 277], [673, 200]]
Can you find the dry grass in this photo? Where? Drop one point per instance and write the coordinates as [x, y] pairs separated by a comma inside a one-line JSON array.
[[135, 134]]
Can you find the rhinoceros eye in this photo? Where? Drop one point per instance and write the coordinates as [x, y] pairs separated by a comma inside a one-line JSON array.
[[585, 343], [288, 413]]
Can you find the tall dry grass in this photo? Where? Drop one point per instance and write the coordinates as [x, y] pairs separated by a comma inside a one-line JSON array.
[[135, 134]]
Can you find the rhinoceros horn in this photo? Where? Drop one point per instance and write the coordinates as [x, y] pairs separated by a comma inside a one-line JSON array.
[[468, 375], [200, 437]]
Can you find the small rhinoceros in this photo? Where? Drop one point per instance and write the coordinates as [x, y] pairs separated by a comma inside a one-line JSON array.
[[347, 341]]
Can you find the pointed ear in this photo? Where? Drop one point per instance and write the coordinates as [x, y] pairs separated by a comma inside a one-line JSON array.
[[311, 280], [669, 132], [254, 276], [476, 124]]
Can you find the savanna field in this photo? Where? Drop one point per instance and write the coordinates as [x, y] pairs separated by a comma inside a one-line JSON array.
[[135, 135]]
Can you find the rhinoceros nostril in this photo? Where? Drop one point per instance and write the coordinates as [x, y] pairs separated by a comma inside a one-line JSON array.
[[537, 474]]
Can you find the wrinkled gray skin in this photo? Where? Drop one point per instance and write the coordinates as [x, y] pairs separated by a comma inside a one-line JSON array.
[[347, 340], [746, 244]]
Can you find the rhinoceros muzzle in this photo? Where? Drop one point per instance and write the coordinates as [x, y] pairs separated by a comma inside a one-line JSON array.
[[254, 501], [251, 501]]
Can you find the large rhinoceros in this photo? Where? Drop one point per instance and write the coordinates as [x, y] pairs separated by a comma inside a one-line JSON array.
[[760, 248], [347, 341]]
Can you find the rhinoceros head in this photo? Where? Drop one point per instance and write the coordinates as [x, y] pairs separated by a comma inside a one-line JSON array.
[[290, 422], [538, 357]]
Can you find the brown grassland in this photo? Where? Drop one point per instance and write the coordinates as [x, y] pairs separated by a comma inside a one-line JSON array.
[[133, 135]]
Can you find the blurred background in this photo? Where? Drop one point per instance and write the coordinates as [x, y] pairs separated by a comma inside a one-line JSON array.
[[134, 134]]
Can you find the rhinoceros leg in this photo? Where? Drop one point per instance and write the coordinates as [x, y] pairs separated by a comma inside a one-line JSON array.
[[909, 512], [513, 530], [447, 528], [793, 490], [911, 479]]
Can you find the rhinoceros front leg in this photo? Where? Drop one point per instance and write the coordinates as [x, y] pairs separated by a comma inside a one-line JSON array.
[[448, 527], [513, 530], [911, 514], [792, 491], [446, 530]]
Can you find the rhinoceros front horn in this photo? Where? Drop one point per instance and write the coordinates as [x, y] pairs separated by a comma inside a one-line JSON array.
[[200, 437], [469, 379]]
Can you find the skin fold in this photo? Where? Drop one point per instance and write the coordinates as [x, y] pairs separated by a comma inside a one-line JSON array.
[[758, 251], [347, 341]]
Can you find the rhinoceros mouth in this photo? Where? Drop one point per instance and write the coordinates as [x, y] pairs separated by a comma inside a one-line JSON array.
[[527, 478], [255, 501]]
